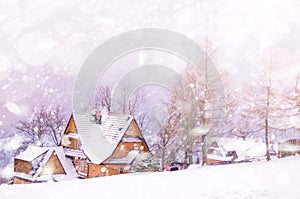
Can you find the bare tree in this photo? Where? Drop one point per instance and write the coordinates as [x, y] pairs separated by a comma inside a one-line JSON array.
[[202, 84], [143, 121], [130, 104], [44, 123], [126, 105], [103, 98], [55, 122], [168, 128], [265, 107]]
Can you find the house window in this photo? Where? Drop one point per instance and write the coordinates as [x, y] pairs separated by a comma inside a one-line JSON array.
[[103, 169], [214, 152], [130, 130], [122, 147], [135, 146], [121, 170], [142, 148]]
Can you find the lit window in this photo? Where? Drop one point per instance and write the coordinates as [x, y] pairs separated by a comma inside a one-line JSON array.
[[142, 147], [103, 169], [135, 146], [130, 130], [122, 147]]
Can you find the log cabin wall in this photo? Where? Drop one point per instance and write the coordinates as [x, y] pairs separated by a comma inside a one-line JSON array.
[[21, 181], [53, 166], [119, 168], [22, 166], [71, 127], [73, 143], [124, 148], [212, 161], [70, 142], [95, 170], [113, 170], [80, 165], [133, 130]]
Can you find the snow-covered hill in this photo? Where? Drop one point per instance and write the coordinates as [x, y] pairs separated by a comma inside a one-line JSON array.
[[275, 179]]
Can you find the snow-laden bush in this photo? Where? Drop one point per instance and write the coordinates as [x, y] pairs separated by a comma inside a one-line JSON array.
[[144, 162]]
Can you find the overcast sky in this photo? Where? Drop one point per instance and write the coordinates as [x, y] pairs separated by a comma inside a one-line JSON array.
[[43, 43]]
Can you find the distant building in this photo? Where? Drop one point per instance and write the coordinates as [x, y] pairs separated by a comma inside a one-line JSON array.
[[217, 154], [225, 149], [288, 148]]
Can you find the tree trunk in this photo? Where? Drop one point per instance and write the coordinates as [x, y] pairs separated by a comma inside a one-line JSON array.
[[204, 154], [190, 155], [267, 124], [163, 159], [185, 164]]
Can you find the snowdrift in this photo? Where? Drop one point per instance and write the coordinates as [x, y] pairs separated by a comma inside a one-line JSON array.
[[275, 179]]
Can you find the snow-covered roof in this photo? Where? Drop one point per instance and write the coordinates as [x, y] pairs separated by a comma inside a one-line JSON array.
[[114, 127], [107, 135], [75, 153], [31, 153], [72, 135], [125, 160], [244, 148], [131, 139], [43, 178], [31, 178]]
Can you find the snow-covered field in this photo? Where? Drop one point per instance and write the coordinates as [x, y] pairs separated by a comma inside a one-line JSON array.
[[278, 178]]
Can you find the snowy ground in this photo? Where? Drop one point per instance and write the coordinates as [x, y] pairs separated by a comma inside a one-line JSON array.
[[275, 179]]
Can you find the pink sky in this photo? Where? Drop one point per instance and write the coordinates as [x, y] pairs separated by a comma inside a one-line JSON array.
[[44, 43]]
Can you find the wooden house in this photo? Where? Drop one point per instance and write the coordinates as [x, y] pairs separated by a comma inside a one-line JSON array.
[[288, 148], [217, 154], [37, 164], [102, 145]]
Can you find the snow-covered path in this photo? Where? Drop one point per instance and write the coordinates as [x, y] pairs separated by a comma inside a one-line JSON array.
[[274, 179]]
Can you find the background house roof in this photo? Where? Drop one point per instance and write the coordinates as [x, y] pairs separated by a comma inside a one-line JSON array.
[[107, 135]]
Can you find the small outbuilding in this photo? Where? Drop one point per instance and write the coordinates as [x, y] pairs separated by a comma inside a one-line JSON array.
[[41, 164]]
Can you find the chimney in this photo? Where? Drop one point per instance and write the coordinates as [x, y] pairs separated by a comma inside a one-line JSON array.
[[98, 117]]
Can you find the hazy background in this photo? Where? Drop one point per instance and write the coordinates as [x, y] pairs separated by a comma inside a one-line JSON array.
[[43, 43]]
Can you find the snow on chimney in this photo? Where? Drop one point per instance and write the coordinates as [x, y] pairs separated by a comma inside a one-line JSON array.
[[98, 117]]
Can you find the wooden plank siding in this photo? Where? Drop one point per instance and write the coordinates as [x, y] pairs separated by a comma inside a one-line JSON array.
[[124, 147], [96, 170], [68, 141], [53, 166], [81, 166], [21, 181], [72, 143], [22, 166], [71, 127]]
